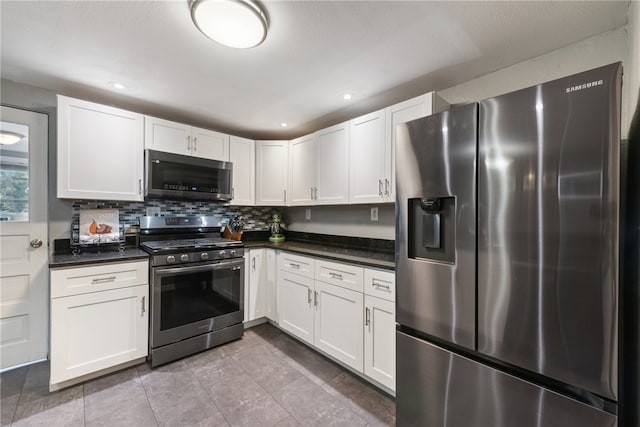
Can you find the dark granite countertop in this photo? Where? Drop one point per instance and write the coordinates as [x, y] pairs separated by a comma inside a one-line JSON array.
[[363, 257], [86, 257]]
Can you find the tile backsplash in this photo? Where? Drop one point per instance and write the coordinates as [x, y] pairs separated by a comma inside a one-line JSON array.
[[256, 218]]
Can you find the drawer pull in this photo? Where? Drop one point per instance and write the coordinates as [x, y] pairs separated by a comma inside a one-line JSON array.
[[381, 285], [335, 275], [296, 266], [143, 310], [103, 280]]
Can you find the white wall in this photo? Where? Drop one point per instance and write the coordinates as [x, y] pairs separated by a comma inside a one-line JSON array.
[[632, 77], [591, 53], [354, 220]]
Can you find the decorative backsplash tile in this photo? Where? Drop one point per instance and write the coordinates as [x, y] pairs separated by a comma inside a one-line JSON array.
[[256, 218]]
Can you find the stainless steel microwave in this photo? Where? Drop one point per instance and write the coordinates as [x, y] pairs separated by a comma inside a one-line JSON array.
[[174, 176]]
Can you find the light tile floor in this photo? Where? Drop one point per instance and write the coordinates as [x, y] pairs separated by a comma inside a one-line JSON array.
[[264, 379]]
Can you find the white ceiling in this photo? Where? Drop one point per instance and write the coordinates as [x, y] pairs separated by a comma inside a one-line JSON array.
[[380, 51]]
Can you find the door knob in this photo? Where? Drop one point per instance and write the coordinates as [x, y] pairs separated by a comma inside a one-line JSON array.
[[35, 243]]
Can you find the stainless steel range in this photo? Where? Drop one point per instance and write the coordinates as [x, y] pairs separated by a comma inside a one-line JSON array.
[[197, 285]]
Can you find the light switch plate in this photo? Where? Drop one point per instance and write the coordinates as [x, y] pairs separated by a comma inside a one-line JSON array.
[[374, 214], [307, 214]]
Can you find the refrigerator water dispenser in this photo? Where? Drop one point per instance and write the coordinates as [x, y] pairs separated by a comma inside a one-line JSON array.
[[432, 229]]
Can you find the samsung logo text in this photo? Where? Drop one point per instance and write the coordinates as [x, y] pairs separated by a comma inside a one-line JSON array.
[[584, 86]]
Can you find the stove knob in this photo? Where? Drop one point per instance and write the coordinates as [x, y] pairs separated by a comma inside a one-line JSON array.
[[222, 254], [184, 258], [171, 259], [232, 253], [204, 256]]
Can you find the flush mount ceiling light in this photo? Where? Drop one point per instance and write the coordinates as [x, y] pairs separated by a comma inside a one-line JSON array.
[[234, 23], [9, 138], [117, 85]]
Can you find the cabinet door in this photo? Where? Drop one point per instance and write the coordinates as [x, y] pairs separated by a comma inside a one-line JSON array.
[[271, 267], [257, 284], [380, 341], [100, 151], [338, 323], [271, 173], [167, 136], [98, 330], [332, 165], [209, 144], [302, 171], [295, 305], [367, 158], [242, 153]]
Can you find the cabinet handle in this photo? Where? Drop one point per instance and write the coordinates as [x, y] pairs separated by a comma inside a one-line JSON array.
[[296, 266], [311, 189], [103, 280], [188, 142], [233, 193], [380, 187], [285, 196], [143, 310], [386, 187], [380, 285], [335, 275], [254, 263], [367, 316], [315, 298], [315, 190], [195, 144], [308, 296], [139, 186]]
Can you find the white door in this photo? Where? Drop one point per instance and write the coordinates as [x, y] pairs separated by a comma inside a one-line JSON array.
[[163, 135], [332, 168], [367, 157], [242, 153], [257, 284], [380, 341], [271, 307], [23, 238], [209, 144], [302, 171], [271, 173], [338, 323], [295, 305]]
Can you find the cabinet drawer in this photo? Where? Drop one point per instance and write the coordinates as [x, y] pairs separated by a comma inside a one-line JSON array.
[[82, 280], [304, 266], [380, 283], [343, 275]]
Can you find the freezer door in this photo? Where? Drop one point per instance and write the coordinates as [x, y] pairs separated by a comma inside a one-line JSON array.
[[436, 224], [548, 186], [437, 388]]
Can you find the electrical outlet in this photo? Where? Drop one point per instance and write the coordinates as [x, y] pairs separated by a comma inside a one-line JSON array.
[[374, 214], [307, 214], [153, 211]]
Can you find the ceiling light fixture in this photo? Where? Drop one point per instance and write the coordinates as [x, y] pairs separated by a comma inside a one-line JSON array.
[[284, 125], [346, 96], [240, 24], [9, 138], [117, 85]]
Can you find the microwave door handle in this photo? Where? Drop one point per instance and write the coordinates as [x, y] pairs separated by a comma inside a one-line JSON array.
[[195, 269]]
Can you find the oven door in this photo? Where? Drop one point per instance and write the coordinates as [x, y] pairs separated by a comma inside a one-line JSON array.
[[191, 300]]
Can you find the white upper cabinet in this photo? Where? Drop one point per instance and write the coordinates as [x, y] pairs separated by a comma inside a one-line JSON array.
[[172, 137], [367, 157], [100, 151], [271, 173], [302, 171], [242, 154], [402, 112], [332, 165]]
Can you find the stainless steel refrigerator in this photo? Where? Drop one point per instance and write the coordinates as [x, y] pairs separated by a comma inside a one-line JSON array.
[[507, 259]]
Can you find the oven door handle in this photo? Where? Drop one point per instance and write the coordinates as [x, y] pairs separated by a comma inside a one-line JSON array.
[[207, 267]]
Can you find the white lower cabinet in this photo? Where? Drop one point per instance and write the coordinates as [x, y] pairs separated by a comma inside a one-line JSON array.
[[295, 305], [344, 310], [271, 306], [380, 341], [338, 323], [257, 292], [100, 327]]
